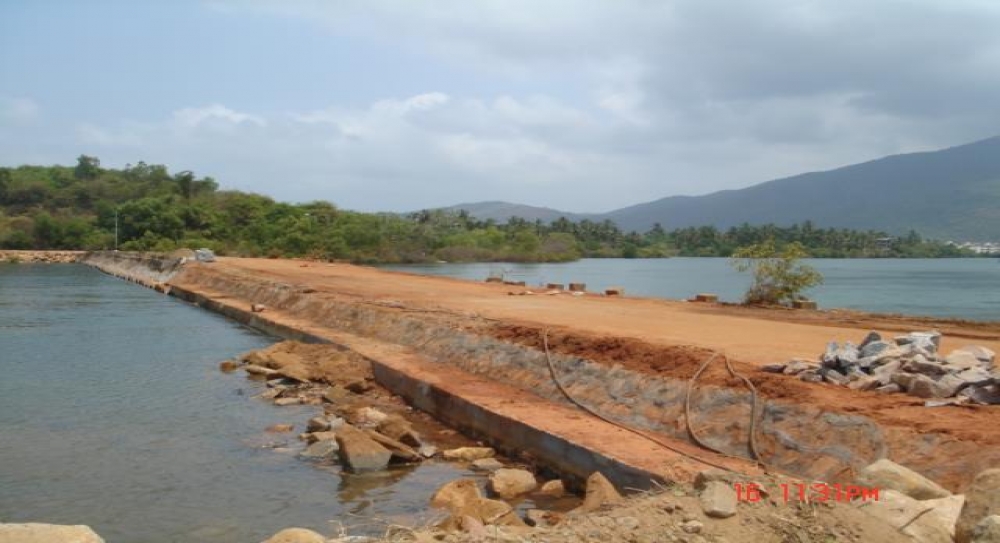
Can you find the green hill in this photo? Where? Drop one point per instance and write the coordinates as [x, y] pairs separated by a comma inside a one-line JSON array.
[[951, 194]]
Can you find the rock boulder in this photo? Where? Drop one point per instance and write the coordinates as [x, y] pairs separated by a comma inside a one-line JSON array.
[[982, 500], [718, 499], [926, 521], [510, 483], [600, 492], [47, 533], [468, 454], [359, 452], [296, 535], [888, 475]]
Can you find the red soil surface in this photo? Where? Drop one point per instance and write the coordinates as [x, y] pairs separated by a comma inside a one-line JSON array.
[[670, 338]]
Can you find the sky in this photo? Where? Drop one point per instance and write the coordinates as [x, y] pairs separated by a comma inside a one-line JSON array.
[[583, 105]]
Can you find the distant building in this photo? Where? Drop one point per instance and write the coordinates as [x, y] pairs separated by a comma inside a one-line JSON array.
[[884, 244], [981, 247]]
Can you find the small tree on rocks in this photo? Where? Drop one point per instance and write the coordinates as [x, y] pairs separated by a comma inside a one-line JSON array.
[[778, 276]]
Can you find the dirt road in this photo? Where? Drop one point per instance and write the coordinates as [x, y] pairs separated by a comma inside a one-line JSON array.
[[756, 336]]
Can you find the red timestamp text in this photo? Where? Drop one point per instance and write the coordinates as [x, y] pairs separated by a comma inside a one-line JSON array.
[[806, 492]]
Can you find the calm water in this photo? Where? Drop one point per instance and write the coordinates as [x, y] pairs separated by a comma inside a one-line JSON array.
[[966, 288], [113, 414]]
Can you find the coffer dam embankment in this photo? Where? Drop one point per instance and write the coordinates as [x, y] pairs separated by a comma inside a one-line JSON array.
[[528, 373]]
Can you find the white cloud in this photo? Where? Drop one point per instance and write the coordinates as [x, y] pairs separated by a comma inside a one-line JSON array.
[[215, 114], [587, 105], [18, 110]]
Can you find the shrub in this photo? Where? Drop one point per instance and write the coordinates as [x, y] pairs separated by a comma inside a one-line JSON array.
[[778, 276]]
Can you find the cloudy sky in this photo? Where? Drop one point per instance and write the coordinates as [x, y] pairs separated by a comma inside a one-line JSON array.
[[584, 105]]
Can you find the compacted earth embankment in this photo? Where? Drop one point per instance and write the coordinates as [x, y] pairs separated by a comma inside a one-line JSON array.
[[648, 393]]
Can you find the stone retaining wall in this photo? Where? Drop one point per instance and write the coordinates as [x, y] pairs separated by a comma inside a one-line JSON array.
[[41, 257]]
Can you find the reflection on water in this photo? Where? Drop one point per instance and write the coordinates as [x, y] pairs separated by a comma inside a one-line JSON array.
[[113, 414], [948, 287]]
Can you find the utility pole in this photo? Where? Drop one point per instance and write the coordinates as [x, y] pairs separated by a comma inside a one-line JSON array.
[[116, 229]]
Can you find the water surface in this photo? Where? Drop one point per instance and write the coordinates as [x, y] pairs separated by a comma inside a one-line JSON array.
[[113, 414], [961, 287]]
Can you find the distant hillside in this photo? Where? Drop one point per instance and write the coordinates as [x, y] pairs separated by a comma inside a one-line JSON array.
[[501, 211], [948, 194]]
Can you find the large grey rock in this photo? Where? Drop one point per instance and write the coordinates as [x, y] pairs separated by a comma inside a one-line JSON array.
[[797, 366], [848, 354], [509, 483], [987, 531], [834, 377], [359, 452], [975, 376], [920, 386], [927, 521], [885, 372], [891, 388], [876, 348], [930, 341], [891, 353], [296, 535], [47, 533], [962, 360], [920, 364], [810, 376], [867, 382], [905, 380], [886, 474], [984, 355], [872, 337], [981, 500], [988, 395], [718, 500], [949, 385], [830, 356], [867, 362]]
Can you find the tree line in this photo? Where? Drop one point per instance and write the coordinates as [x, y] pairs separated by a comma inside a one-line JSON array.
[[78, 207]]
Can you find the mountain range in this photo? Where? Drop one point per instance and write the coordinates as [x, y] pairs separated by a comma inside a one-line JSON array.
[[950, 194]]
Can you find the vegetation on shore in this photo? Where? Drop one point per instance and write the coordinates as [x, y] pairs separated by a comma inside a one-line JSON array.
[[778, 275], [63, 207]]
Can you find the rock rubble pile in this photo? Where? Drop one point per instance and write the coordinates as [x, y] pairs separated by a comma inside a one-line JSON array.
[[909, 363]]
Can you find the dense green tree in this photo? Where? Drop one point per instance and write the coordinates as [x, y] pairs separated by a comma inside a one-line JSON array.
[[87, 167], [75, 207]]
